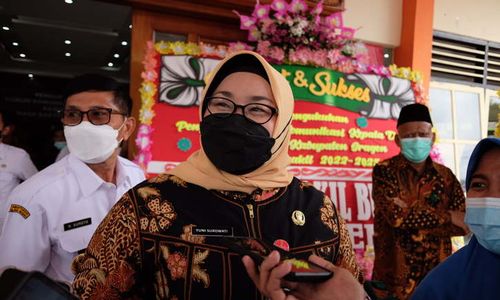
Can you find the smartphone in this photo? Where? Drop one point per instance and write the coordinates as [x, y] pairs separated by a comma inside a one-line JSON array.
[[302, 270]]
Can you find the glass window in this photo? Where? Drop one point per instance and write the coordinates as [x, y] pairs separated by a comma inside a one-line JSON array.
[[493, 114], [468, 116], [441, 114], [447, 154], [459, 118], [464, 151]]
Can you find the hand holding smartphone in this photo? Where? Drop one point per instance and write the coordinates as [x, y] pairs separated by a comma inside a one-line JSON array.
[[302, 270]]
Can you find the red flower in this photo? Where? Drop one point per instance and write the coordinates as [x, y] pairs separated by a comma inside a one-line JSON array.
[[177, 264]]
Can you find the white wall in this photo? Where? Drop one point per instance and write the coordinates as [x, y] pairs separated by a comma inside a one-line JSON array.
[[377, 21], [478, 18]]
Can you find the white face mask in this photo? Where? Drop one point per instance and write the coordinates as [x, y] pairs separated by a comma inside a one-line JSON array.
[[92, 144], [483, 217]]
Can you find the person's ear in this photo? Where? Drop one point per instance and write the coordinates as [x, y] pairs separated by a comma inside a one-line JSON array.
[[397, 140], [433, 137], [128, 128], [7, 130]]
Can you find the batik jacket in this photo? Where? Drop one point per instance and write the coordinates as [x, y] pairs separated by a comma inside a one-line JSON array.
[[412, 223], [145, 248]]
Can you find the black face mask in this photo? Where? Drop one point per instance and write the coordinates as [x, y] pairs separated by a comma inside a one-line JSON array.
[[235, 144]]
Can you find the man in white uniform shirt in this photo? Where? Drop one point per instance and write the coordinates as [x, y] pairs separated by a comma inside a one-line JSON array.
[[15, 165], [53, 215]]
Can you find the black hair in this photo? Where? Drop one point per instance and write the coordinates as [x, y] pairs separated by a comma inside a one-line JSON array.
[[101, 83], [7, 118]]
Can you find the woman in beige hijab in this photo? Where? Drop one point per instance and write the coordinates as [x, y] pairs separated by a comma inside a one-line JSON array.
[[170, 237]]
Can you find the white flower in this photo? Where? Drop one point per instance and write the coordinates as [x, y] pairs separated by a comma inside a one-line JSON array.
[[303, 24], [297, 31]]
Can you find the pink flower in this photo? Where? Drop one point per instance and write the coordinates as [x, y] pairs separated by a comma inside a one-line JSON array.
[[348, 33], [288, 31], [254, 34], [277, 55], [144, 130], [333, 56], [280, 6], [297, 6], [207, 49], [142, 159], [246, 22], [346, 66], [316, 20], [331, 37], [319, 58], [267, 26], [238, 46], [263, 47], [289, 20], [221, 51], [318, 9], [149, 75], [436, 155], [300, 56], [379, 70], [334, 20], [261, 11], [360, 67]]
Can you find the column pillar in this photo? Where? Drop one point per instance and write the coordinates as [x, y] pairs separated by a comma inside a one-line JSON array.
[[415, 49]]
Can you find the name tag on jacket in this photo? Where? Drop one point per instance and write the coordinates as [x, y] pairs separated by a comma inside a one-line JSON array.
[[77, 224]]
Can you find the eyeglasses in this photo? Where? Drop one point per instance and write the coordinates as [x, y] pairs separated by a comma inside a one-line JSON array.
[[96, 116], [256, 112]]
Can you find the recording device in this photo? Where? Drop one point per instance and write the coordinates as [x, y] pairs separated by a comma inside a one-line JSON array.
[[302, 270], [20, 285]]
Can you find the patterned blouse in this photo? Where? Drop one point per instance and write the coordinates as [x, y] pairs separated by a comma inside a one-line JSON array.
[[145, 248], [412, 223]]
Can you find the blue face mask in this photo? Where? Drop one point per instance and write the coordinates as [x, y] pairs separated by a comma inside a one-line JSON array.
[[416, 149], [59, 145], [483, 218]]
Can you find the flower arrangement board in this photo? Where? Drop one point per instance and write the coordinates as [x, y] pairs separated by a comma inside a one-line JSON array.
[[345, 106]]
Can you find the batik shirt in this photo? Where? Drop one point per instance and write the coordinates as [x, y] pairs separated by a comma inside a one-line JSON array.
[[412, 223], [146, 249]]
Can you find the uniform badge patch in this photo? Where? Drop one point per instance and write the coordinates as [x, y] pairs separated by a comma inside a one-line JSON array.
[[16, 208]]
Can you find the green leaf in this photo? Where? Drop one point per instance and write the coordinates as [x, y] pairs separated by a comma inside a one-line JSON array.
[[175, 92], [386, 85], [194, 63]]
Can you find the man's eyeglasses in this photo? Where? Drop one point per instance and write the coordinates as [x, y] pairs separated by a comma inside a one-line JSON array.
[[96, 116], [256, 112]]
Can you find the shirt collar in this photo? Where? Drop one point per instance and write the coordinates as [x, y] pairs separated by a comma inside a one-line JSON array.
[[122, 176], [89, 181], [429, 163]]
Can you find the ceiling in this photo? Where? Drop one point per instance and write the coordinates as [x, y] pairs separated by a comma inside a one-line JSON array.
[[99, 35]]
